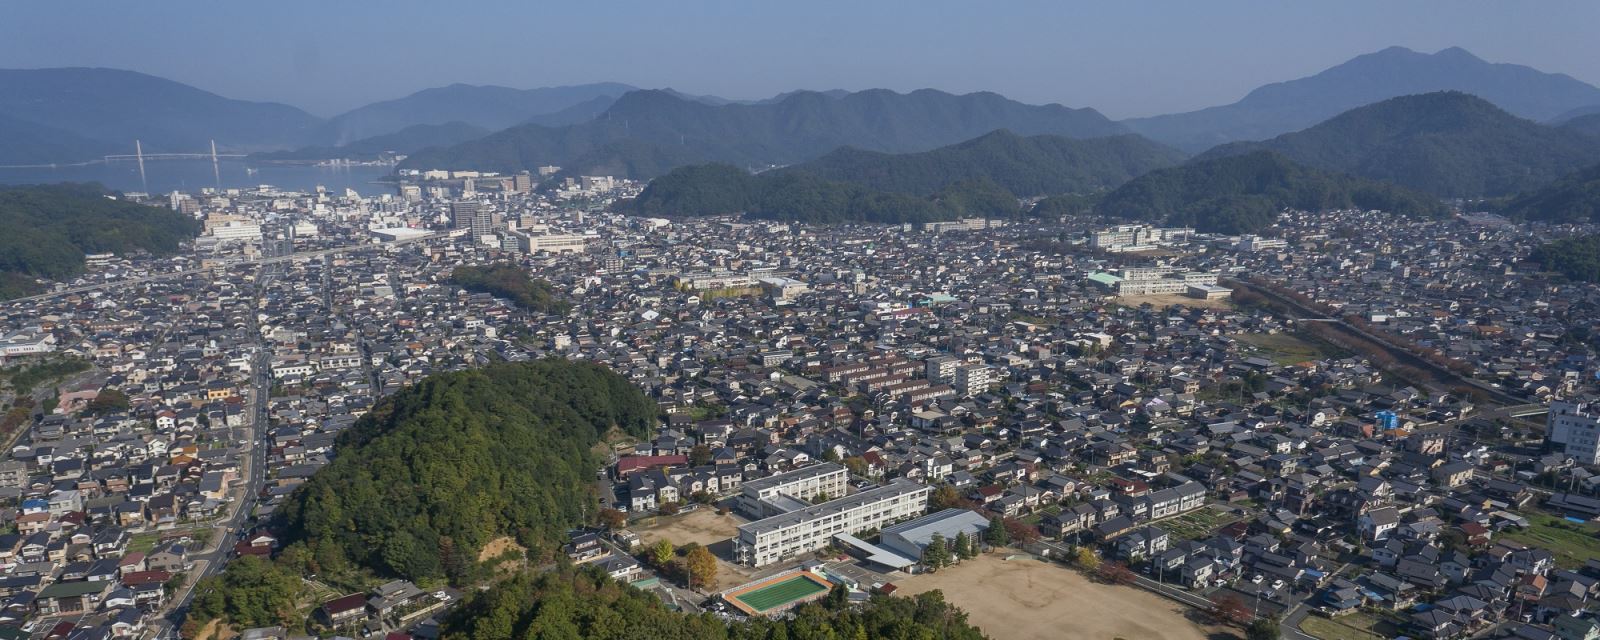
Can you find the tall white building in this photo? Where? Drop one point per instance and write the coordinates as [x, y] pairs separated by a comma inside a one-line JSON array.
[[1576, 428], [785, 492], [810, 528], [974, 379]]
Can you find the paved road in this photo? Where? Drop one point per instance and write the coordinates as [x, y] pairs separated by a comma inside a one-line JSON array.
[[254, 457]]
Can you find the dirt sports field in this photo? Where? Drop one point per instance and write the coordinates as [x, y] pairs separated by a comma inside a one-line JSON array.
[[705, 527], [1023, 599], [702, 525]]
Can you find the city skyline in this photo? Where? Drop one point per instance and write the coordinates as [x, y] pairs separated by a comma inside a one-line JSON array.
[[1181, 58]]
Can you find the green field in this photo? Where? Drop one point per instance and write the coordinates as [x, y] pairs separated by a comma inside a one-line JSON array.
[[1197, 524], [1571, 543], [1284, 348], [773, 596]]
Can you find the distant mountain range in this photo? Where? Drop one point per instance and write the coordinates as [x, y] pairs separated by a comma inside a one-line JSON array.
[[486, 107], [647, 133], [1025, 166], [983, 176], [76, 114], [1588, 124], [1447, 143], [1244, 193], [113, 108], [1296, 104]]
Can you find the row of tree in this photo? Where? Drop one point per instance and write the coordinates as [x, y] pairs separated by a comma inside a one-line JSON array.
[[571, 603]]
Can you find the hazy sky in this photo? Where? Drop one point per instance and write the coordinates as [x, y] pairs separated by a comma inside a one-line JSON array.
[[1124, 57]]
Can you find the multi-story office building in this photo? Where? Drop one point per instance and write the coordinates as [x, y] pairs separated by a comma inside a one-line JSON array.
[[809, 528]]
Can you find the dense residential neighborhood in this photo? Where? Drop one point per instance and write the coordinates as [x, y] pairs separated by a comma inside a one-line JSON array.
[[844, 398]]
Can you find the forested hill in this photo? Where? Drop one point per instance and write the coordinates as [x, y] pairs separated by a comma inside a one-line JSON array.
[[584, 603], [1449, 144], [49, 228], [1575, 198], [1025, 166], [720, 189], [647, 133], [979, 177], [420, 485], [1240, 194]]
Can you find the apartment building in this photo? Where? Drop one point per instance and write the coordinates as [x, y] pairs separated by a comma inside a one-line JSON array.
[[810, 528], [1575, 427]]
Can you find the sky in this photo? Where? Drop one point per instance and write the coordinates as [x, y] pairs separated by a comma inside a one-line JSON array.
[[1126, 57]]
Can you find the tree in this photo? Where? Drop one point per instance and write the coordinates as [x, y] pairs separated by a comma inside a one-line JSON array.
[[662, 554], [964, 547], [108, 401], [996, 535], [613, 519], [668, 508], [857, 465], [700, 456], [1263, 628], [838, 597], [702, 567], [1115, 573], [937, 554], [945, 497], [1229, 608], [1021, 532], [1086, 559]]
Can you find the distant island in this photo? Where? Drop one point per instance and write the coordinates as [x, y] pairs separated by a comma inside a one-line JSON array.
[[49, 229]]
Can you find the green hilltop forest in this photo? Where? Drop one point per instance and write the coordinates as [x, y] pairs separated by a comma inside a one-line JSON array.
[[511, 282], [584, 603], [1244, 193], [49, 228], [1575, 198], [1576, 257], [420, 485], [1447, 143], [720, 189]]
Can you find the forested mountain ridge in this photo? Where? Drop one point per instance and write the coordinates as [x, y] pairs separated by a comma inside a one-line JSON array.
[[1573, 199], [721, 189], [647, 133], [982, 177], [1244, 193], [1450, 144], [1025, 166], [49, 229]]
